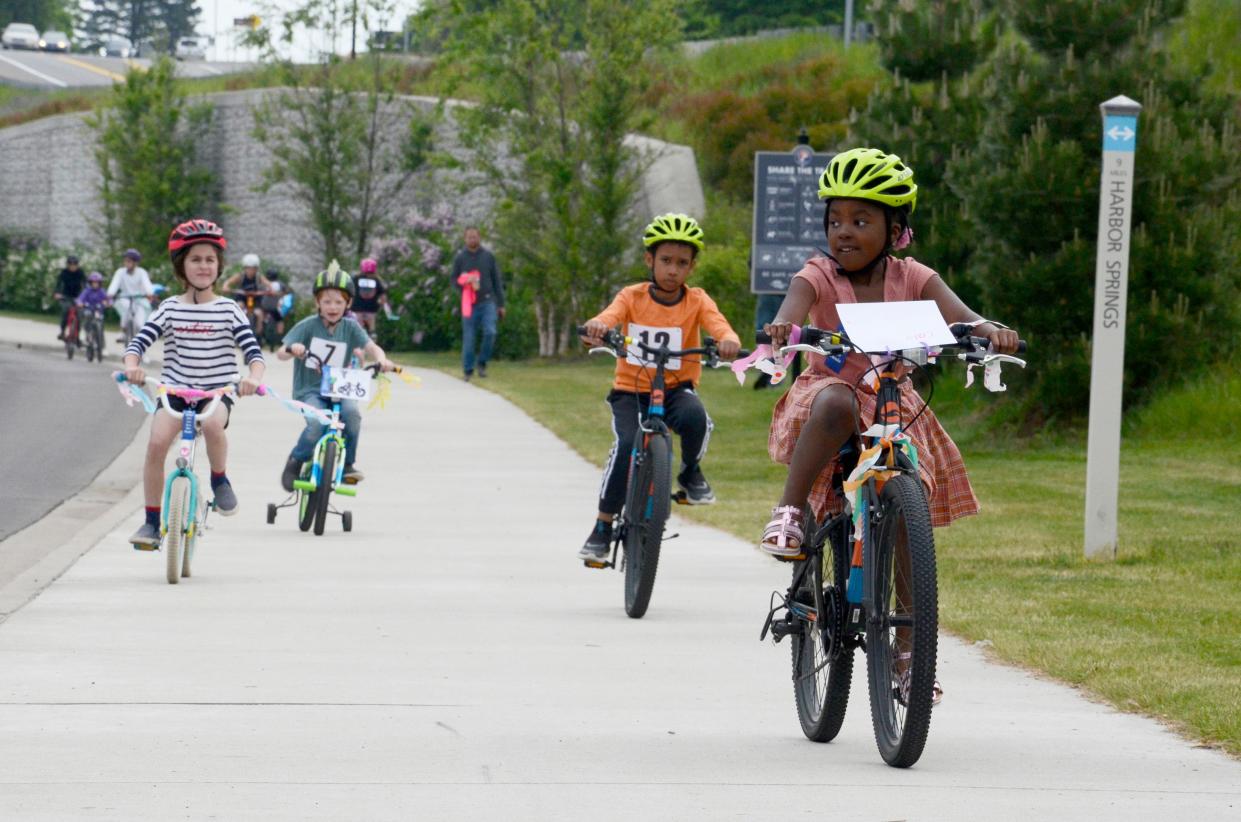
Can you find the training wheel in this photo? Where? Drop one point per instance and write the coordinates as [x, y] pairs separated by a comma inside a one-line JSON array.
[[346, 520], [271, 513]]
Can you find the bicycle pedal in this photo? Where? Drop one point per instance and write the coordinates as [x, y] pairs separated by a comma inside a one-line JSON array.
[[681, 498], [351, 480], [794, 558], [590, 564], [138, 547]]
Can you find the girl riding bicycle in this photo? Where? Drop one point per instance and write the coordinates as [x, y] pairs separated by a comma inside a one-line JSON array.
[[660, 311], [332, 339], [870, 196], [201, 333]]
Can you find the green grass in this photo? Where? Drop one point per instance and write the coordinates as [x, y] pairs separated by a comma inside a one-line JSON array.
[[1156, 631]]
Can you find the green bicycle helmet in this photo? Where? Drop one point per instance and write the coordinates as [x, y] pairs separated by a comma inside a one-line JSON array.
[[678, 228], [869, 174], [333, 277]]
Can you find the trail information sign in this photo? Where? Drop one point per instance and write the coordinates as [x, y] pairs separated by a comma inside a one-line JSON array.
[[788, 216]]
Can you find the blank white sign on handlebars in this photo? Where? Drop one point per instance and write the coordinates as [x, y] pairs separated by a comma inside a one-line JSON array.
[[882, 327]]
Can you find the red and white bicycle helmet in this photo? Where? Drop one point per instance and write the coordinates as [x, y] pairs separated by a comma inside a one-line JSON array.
[[193, 232]]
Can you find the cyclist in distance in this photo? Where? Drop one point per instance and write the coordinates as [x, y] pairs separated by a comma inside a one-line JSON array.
[[333, 339], [69, 285], [661, 310], [371, 294], [272, 300], [94, 296], [249, 281], [870, 196], [202, 332], [131, 283]]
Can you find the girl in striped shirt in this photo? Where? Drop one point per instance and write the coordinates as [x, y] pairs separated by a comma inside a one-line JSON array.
[[201, 333]]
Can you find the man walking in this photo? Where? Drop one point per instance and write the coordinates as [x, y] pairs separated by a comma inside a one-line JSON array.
[[477, 276]]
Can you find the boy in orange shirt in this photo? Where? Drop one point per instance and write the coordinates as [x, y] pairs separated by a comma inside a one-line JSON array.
[[663, 309]]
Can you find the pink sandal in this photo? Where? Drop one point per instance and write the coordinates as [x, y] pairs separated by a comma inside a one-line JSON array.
[[783, 536], [903, 682]]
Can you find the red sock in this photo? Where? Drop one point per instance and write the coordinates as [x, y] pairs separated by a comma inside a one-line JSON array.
[[153, 514], [217, 477]]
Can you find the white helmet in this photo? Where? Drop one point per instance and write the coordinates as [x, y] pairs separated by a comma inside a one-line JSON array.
[[250, 261]]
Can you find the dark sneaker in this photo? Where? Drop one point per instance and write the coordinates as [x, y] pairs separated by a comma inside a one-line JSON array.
[[146, 538], [353, 474], [292, 470], [482, 369], [469, 375], [598, 546], [697, 489], [225, 499]]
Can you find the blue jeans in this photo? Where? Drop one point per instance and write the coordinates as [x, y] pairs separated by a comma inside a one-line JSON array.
[[485, 315], [349, 415]]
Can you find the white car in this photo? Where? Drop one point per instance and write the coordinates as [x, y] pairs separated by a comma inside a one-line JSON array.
[[20, 36], [53, 40], [190, 48]]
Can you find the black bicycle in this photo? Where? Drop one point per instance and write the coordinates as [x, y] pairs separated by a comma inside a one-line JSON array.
[[637, 542], [866, 577]]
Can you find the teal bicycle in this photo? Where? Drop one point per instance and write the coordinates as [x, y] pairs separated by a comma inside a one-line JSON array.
[[184, 513], [323, 475]]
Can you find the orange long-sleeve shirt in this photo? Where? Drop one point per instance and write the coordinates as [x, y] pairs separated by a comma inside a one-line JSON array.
[[642, 317]]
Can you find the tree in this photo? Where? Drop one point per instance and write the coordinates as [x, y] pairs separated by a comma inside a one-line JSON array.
[[42, 14], [161, 21], [340, 139], [560, 84], [149, 177], [1011, 148]]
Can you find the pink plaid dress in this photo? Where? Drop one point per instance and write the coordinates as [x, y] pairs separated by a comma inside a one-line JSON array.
[[939, 462]]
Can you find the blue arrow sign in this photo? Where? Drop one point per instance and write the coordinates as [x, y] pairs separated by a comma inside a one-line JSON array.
[[1120, 133]]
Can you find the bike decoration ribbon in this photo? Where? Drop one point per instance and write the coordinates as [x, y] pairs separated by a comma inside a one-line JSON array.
[[131, 392], [298, 407], [869, 466], [383, 388], [764, 359]]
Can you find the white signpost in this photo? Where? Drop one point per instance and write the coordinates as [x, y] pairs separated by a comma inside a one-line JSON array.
[[1107, 362]]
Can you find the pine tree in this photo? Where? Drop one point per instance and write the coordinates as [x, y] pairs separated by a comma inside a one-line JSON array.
[[161, 21]]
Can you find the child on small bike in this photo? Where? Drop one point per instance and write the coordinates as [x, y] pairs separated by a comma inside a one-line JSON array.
[[202, 332], [94, 296], [372, 295], [68, 287], [869, 196], [329, 338], [662, 310]]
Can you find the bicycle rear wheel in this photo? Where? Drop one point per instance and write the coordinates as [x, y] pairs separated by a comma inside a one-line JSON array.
[[178, 516], [324, 492], [902, 621], [650, 496], [822, 664]]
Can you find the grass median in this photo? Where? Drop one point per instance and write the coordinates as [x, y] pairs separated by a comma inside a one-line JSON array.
[[1157, 631]]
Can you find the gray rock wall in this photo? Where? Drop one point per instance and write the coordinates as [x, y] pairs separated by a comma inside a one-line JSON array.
[[49, 178]]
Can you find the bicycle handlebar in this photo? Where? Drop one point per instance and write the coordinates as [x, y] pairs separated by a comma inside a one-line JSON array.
[[837, 342], [616, 342], [162, 391]]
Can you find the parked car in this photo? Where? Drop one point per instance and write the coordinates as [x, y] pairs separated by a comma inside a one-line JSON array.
[[53, 40], [20, 36], [116, 47], [190, 48]]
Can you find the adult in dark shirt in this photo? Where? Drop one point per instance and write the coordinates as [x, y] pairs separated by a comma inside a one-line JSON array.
[[475, 268], [68, 286]]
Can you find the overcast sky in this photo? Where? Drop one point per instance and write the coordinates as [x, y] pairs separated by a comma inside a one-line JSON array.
[[217, 19]]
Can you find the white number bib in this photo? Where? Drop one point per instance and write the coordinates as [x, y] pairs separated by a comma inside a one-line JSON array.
[[348, 383], [654, 336], [329, 352]]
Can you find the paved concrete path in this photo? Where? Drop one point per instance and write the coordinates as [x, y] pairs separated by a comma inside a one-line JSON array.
[[450, 659]]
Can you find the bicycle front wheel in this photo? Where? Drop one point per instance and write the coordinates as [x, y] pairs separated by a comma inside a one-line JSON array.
[[178, 526], [324, 492], [902, 621], [822, 663], [650, 496]]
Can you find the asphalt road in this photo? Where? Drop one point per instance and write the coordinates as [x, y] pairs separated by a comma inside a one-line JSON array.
[[53, 70], [62, 424]]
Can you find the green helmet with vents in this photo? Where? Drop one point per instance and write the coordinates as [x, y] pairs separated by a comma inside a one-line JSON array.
[[333, 277], [869, 174], [678, 228]]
